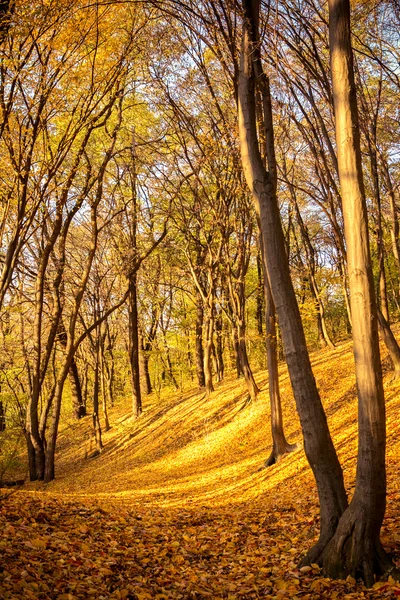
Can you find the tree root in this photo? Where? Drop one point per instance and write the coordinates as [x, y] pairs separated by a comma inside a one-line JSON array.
[[277, 454], [354, 549]]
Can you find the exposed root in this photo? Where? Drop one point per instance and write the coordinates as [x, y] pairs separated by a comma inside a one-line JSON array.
[[277, 454], [356, 550]]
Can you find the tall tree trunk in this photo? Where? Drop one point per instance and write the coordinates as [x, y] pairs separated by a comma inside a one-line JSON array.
[[96, 394], [144, 365], [355, 548], [219, 351], [262, 183], [73, 374], [280, 445], [208, 344], [260, 295], [235, 344], [76, 391], [134, 347], [2, 417], [242, 350], [199, 341], [103, 374]]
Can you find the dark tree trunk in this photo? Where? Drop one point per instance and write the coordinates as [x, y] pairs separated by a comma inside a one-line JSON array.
[[73, 373], [103, 372], [262, 183], [144, 361], [134, 348], [219, 351], [280, 446], [76, 391], [96, 393], [242, 350], [199, 341], [208, 344], [2, 417]]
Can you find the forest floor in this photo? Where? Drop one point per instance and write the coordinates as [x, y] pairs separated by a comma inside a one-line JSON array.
[[178, 505]]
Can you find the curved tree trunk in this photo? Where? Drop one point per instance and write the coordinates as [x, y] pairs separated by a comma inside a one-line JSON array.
[[317, 440], [390, 342]]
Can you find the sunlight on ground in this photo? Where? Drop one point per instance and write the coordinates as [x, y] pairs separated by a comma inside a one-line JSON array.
[[191, 450]]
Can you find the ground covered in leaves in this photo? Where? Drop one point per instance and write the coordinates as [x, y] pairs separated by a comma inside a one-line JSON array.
[[178, 506]]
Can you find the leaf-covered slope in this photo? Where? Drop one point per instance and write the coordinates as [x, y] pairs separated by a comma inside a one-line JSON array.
[[177, 506]]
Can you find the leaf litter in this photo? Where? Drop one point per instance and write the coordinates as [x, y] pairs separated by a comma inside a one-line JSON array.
[[177, 506]]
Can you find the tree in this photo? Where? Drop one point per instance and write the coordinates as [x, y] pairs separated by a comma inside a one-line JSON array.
[[262, 183], [355, 548]]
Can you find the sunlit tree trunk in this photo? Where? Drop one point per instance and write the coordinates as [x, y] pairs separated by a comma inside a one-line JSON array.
[[262, 183], [356, 548]]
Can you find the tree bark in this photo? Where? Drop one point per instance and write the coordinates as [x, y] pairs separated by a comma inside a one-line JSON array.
[[390, 342], [355, 549], [134, 347], [262, 183], [199, 341], [280, 445]]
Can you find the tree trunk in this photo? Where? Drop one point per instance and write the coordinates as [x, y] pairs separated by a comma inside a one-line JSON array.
[[103, 372], [355, 549], [242, 350], [134, 348], [76, 391], [317, 440], [219, 352], [260, 295], [390, 342], [96, 393], [235, 343], [199, 341], [280, 446], [208, 344]]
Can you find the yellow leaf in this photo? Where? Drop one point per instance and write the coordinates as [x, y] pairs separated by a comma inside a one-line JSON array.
[[39, 543], [280, 584], [305, 569]]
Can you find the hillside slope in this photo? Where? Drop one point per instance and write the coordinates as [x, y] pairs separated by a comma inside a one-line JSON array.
[[179, 506]]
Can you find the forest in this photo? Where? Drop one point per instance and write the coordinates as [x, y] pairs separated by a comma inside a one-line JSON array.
[[199, 299]]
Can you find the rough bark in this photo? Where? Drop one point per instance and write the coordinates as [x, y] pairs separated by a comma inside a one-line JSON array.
[[355, 548], [262, 183]]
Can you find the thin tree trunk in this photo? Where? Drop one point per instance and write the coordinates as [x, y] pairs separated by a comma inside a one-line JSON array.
[[208, 343], [134, 348], [280, 445], [242, 350], [390, 342], [219, 347], [199, 341], [260, 295], [103, 371]]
